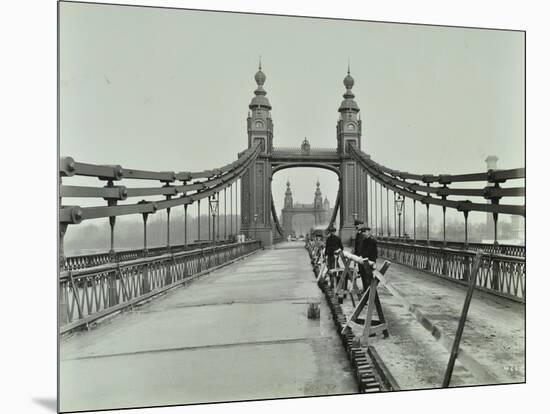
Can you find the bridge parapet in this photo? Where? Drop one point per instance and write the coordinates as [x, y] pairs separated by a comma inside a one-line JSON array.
[[499, 274], [297, 151], [489, 248], [96, 259], [87, 295]]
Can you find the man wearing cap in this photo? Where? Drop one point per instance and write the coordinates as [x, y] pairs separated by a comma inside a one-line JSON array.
[[333, 243], [369, 251]]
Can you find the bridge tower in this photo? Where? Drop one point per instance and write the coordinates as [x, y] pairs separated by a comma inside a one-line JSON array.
[[353, 179], [256, 181]]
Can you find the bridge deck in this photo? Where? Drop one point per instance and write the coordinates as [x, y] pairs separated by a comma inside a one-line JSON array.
[[238, 333]]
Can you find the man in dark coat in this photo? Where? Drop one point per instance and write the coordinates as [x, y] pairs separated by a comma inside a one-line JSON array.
[[333, 243], [358, 237], [368, 250]]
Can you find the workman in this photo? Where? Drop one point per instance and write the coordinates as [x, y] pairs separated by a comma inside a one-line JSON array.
[[333, 243], [369, 252]]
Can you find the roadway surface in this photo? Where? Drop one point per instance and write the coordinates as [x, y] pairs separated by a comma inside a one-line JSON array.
[[239, 333]]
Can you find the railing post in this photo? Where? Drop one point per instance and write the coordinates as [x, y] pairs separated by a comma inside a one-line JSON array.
[[428, 236], [467, 263], [388, 210], [495, 280], [168, 276], [185, 225], [208, 214], [111, 289], [168, 228], [375, 210], [145, 285], [62, 231], [445, 259], [145, 251], [63, 309], [381, 232], [404, 217], [112, 254], [370, 222], [199, 220]]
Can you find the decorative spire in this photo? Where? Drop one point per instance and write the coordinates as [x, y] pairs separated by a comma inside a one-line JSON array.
[[318, 194], [260, 101], [348, 103]]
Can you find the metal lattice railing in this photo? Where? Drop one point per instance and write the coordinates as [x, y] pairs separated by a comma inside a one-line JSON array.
[[97, 259], [499, 274], [89, 294], [491, 248]]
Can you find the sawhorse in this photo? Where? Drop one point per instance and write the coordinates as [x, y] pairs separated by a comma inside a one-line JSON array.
[[347, 273], [371, 300]]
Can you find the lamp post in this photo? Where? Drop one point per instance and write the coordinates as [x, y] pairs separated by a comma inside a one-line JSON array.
[[255, 220], [399, 204], [213, 205]]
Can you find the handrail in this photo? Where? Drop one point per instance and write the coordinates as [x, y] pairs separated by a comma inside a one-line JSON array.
[[64, 274]]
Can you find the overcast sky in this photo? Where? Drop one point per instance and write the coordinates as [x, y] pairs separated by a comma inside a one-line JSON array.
[[166, 89]]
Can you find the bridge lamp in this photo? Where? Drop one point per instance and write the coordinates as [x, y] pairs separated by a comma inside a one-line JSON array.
[[399, 204], [255, 220], [213, 205]]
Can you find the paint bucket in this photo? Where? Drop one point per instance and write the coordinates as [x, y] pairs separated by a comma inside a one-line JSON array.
[[313, 310]]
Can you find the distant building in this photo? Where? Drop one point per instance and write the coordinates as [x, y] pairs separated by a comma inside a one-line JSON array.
[[298, 218]]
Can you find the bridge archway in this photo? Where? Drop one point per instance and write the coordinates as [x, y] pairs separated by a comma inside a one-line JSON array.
[[300, 192], [256, 199]]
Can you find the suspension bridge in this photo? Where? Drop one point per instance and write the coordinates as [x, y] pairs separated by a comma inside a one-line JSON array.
[[227, 318]]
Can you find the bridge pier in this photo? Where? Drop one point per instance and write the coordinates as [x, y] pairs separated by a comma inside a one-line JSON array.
[[265, 236], [346, 235]]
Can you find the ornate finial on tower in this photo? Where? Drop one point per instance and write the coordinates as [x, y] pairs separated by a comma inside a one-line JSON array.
[[318, 195], [305, 147], [260, 100], [260, 77], [348, 103], [348, 83]]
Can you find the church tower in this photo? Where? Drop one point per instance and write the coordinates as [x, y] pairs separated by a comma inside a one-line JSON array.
[[353, 177], [288, 196], [256, 181], [318, 205]]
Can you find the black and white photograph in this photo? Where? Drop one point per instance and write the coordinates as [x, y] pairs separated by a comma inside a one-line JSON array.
[[261, 207], [276, 208]]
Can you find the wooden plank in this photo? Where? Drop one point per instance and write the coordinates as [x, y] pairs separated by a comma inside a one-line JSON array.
[[462, 321]]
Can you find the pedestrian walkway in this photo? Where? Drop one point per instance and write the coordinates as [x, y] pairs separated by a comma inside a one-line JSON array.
[[423, 312], [238, 333]]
